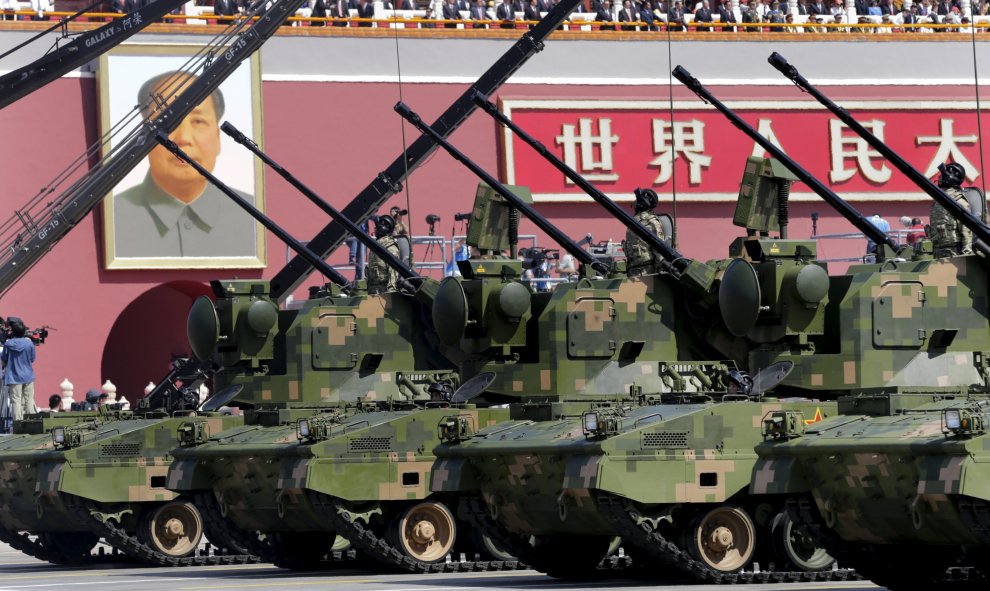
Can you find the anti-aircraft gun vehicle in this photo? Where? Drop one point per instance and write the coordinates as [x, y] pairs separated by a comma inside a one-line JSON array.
[[639, 408], [592, 477], [896, 484], [67, 482]]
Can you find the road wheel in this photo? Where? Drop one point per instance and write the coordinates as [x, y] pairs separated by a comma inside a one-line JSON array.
[[174, 529], [722, 538], [794, 548], [426, 531]]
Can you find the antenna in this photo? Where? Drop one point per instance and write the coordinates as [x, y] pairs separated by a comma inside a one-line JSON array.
[[976, 87], [673, 153]]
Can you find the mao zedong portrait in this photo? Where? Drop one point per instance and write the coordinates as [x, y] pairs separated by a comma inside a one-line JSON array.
[[175, 211]]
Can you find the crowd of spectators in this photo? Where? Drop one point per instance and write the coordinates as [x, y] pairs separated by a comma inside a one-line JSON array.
[[880, 16]]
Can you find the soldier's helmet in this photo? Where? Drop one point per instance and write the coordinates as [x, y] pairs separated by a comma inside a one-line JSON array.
[[951, 175], [740, 383], [384, 225], [646, 199]]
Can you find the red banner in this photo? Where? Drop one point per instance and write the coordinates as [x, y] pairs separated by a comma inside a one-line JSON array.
[[621, 145]]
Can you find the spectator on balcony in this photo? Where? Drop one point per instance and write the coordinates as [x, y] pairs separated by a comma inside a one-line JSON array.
[[703, 16], [751, 17], [838, 20], [802, 7], [449, 12], [943, 7], [464, 5], [675, 17], [763, 9], [506, 13], [340, 10], [628, 15], [479, 12], [225, 8], [319, 11], [117, 6], [837, 8], [532, 13], [873, 9], [604, 15], [775, 15], [366, 10], [817, 7], [726, 16], [647, 16]]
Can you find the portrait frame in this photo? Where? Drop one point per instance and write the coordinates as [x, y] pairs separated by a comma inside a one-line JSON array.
[[122, 71]]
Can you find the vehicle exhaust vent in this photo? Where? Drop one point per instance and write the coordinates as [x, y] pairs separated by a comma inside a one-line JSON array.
[[360, 444], [673, 439], [118, 450]]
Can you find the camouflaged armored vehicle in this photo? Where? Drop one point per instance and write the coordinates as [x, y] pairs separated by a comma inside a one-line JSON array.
[[630, 415], [343, 395], [896, 484], [102, 476]]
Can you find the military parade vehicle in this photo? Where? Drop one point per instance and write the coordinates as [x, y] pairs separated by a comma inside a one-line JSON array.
[[895, 484], [69, 482], [635, 384]]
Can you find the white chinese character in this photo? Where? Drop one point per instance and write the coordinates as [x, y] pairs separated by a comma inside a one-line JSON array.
[[127, 23], [764, 129], [593, 170], [137, 18], [686, 138], [843, 147], [948, 150]]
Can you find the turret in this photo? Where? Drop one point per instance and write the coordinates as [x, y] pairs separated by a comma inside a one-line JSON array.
[[337, 348], [599, 339], [886, 327], [769, 291]]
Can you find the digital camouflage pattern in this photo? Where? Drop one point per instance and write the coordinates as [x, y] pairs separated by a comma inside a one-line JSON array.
[[119, 466]]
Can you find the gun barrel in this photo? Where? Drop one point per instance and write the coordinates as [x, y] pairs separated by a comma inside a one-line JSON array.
[[361, 236], [328, 271], [666, 251], [838, 203], [979, 229], [541, 222]]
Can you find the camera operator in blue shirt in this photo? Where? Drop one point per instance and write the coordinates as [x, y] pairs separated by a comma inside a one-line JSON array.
[[18, 359]]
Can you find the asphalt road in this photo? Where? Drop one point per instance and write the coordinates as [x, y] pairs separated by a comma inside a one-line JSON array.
[[18, 571]]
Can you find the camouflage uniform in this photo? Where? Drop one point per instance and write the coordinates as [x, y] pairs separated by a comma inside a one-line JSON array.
[[949, 236], [639, 257], [382, 277]]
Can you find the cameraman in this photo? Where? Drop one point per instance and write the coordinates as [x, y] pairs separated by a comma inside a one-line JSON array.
[[18, 359]]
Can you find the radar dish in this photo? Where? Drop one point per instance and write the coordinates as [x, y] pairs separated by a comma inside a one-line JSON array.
[[221, 398], [770, 376], [450, 311], [739, 297], [203, 328], [473, 387]]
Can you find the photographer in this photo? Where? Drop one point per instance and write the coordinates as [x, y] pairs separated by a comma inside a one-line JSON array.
[[18, 359]]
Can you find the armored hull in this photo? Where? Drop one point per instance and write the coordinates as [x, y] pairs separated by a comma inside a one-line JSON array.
[[102, 478]]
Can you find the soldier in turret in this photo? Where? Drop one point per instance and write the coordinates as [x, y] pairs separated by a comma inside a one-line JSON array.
[[382, 277], [949, 236], [640, 258]]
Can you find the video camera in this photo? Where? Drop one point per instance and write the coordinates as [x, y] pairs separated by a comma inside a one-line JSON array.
[[37, 335], [533, 258], [460, 217], [433, 219]]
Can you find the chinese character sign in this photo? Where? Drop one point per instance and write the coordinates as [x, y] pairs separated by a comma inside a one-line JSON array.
[[622, 145]]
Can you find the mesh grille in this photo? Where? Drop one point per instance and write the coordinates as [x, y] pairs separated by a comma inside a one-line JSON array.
[[665, 440], [370, 444], [120, 449]]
